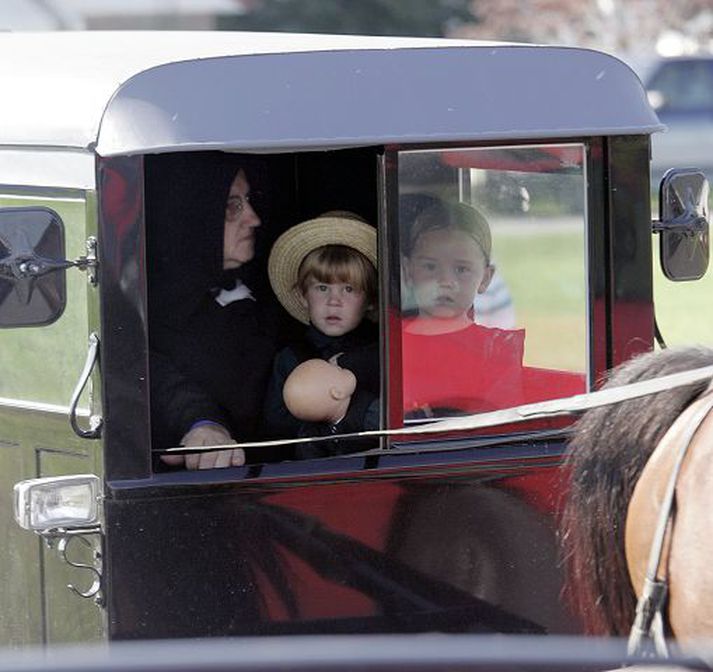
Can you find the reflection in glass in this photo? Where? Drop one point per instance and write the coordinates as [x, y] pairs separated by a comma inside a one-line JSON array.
[[493, 277]]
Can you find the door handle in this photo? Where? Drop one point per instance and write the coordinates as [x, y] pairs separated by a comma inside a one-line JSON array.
[[95, 421]]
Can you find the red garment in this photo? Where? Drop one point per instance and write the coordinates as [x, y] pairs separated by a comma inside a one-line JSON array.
[[540, 384], [472, 370]]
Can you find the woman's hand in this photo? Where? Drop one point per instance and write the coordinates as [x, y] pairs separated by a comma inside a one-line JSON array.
[[210, 434]]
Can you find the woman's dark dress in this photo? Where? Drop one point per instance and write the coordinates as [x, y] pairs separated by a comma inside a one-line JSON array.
[[207, 362]]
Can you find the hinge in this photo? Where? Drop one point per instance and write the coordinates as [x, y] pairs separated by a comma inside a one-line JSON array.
[[89, 262]]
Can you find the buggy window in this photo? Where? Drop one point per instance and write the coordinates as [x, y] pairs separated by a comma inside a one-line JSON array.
[[230, 317], [493, 277]]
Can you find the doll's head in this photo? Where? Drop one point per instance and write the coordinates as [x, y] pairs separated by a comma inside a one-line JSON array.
[[317, 391], [448, 261]]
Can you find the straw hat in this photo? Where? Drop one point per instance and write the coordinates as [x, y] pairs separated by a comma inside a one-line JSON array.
[[290, 249]]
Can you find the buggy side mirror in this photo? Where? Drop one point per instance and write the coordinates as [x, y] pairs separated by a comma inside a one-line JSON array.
[[31, 240], [683, 224], [32, 265]]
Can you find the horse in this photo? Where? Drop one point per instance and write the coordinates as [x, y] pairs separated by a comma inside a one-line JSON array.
[[618, 465]]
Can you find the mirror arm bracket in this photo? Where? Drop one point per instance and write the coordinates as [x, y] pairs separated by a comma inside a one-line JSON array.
[[687, 224], [30, 265], [89, 261]]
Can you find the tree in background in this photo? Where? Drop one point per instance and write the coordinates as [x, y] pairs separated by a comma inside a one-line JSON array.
[[432, 18], [617, 26]]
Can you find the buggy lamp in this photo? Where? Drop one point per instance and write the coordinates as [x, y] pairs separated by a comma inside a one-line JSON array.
[[65, 502]]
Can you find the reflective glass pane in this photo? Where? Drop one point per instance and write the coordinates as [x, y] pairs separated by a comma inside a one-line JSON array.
[[493, 253]]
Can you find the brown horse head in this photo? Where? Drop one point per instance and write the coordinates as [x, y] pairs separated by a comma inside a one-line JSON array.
[[685, 560], [607, 454]]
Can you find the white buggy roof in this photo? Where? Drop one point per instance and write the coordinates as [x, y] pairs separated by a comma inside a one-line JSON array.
[[140, 92]]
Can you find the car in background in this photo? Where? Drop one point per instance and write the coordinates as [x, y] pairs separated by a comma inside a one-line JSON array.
[[680, 89]]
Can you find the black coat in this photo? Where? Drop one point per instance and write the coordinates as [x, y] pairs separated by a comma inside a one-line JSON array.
[[361, 356], [207, 362]]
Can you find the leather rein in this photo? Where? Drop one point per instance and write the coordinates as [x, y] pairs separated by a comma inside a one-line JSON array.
[[647, 634]]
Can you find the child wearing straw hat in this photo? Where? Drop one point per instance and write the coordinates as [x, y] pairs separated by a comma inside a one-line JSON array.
[[323, 271]]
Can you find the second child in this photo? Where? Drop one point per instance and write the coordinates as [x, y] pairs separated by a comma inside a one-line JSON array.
[[451, 364]]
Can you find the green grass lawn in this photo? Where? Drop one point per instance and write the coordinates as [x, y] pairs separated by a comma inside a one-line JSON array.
[[545, 273], [684, 310]]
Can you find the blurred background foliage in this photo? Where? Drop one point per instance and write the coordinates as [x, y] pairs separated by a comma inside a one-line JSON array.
[[627, 28], [431, 18], [631, 27]]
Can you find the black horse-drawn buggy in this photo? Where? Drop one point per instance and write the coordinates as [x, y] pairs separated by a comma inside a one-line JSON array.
[[418, 526]]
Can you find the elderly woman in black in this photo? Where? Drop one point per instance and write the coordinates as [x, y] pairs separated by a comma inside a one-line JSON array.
[[211, 319]]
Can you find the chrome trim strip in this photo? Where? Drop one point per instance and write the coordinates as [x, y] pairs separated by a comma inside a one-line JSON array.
[[39, 406]]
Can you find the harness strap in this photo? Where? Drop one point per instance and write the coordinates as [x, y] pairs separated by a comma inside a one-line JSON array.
[[542, 409], [647, 630]]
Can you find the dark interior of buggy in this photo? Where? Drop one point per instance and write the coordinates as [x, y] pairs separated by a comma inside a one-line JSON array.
[[527, 334]]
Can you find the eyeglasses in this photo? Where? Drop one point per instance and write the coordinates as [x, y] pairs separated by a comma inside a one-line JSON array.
[[236, 205]]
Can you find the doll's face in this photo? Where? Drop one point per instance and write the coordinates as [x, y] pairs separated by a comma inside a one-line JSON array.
[[446, 270], [335, 308]]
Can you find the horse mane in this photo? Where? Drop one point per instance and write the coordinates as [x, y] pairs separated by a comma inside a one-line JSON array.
[[606, 455]]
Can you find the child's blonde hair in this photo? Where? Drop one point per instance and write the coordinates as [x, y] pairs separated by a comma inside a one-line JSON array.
[[457, 216], [340, 263]]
